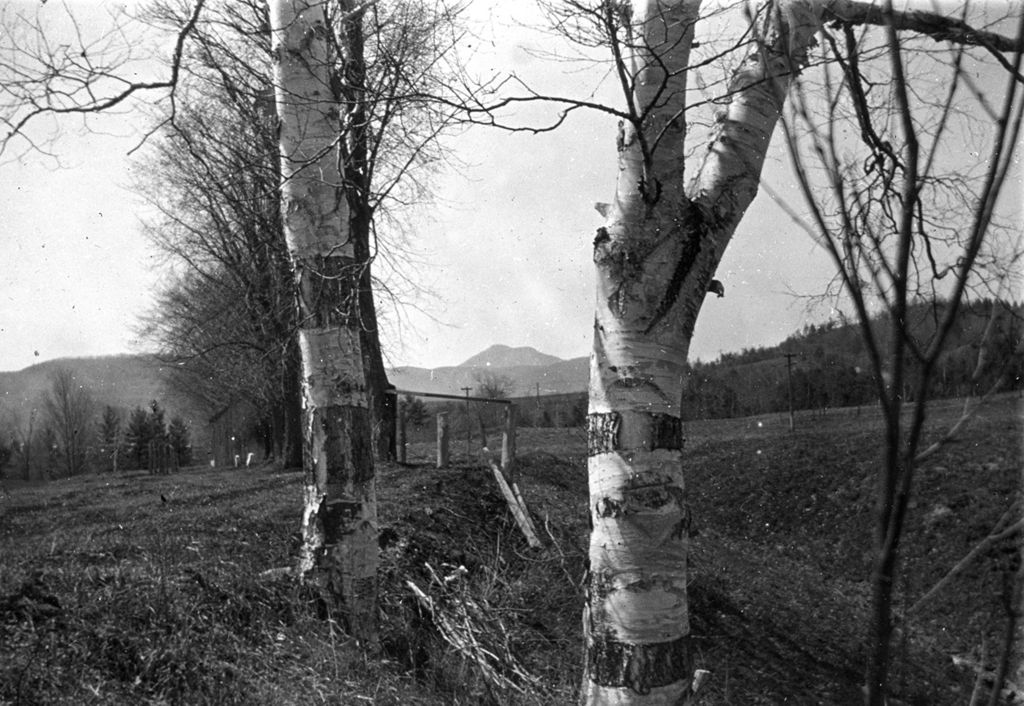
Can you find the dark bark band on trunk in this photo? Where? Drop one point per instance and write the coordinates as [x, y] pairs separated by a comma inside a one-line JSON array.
[[611, 663], [347, 445], [663, 431]]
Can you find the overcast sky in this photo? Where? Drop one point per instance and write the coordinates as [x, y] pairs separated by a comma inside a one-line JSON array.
[[505, 252]]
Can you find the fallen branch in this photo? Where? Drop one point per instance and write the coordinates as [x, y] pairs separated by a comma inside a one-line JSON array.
[[473, 631], [971, 405], [996, 535], [515, 502]]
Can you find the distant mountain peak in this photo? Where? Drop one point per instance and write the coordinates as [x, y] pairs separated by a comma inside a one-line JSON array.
[[501, 356]]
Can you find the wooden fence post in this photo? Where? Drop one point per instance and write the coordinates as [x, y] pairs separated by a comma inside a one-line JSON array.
[[442, 440], [508, 440], [401, 414], [392, 408], [483, 434]]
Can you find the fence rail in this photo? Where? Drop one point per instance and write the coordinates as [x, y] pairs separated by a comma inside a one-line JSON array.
[[445, 396], [509, 427], [411, 444]]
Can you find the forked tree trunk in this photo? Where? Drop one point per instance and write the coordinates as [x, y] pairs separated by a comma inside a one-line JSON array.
[[655, 257], [339, 522], [635, 622]]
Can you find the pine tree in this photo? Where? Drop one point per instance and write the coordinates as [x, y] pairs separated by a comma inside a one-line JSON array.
[[180, 440], [137, 438], [111, 439]]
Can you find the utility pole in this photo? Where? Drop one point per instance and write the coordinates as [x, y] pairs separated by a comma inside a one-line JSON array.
[[789, 387], [469, 424]]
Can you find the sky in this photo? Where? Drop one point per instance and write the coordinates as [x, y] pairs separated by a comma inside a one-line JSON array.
[[504, 252]]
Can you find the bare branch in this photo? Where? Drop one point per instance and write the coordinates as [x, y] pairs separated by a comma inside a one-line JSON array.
[[43, 95], [941, 28]]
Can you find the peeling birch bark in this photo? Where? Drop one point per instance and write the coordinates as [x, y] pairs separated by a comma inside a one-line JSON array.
[[339, 518], [655, 257]]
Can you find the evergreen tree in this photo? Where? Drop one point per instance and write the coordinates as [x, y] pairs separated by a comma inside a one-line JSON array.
[[157, 425], [6, 452], [111, 439], [415, 411], [137, 438], [179, 438]]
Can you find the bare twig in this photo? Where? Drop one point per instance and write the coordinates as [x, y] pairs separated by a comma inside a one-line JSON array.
[[40, 105], [996, 535], [473, 630]]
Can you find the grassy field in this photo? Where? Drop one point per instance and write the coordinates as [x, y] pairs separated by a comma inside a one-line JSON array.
[[139, 589]]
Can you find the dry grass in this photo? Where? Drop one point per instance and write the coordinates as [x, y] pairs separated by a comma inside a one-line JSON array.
[[138, 589]]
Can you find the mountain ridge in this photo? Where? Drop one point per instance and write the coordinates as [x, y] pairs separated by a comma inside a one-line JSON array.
[[502, 356], [534, 377], [132, 380], [829, 368], [123, 381]]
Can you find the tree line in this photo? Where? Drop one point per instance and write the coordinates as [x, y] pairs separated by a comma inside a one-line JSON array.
[[829, 366], [829, 370], [68, 432]]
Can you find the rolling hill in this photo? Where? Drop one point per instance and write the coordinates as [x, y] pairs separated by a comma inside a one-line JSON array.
[[128, 381], [121, 381], [829, 368]]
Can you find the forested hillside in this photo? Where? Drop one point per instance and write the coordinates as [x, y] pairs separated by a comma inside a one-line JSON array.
[[120, 381], [828, 365], [75, 415]]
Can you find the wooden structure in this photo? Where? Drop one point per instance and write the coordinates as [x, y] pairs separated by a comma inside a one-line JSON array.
[[234, 435], [399, 433], [401, 440], [515, 502], [508, 441], [162, 457], [504, 474], [442, 440]]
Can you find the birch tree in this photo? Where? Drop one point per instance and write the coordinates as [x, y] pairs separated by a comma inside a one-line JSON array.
[[339, 521], [385, 56], [348, 144], [673, 213]]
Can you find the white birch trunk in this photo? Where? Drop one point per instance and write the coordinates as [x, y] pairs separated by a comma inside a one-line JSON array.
[[655, 257], [339, 523]]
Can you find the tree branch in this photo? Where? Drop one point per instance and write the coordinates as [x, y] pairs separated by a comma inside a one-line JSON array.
[[939, 27], [95, 104]]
